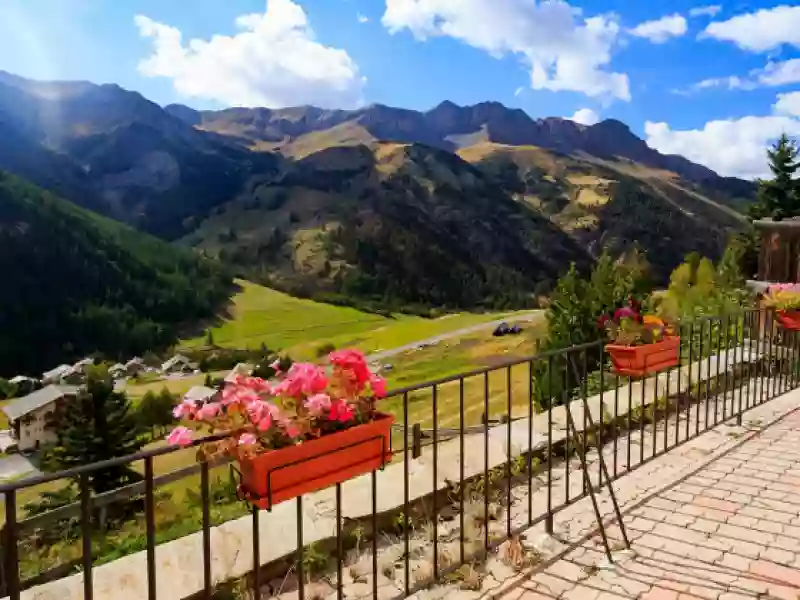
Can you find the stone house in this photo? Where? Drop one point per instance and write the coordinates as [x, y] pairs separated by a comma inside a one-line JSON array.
[[33, 418]]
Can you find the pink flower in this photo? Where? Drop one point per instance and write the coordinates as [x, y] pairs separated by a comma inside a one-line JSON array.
[[233, 394], [256, 384], [303, 379], [341, 411], [180, 436], [625, 312], [187, 408], [208, 411], [318, 403], [292, 431], [378, 385], [602, 321], [260, 414], [247, 439], [353, 363]]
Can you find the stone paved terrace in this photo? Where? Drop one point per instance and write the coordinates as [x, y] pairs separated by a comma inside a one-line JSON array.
[[717, 518]]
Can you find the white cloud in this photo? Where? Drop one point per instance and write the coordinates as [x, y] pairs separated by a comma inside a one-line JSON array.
[[585, 116], [781, 73], [761, 30], [788, 104], [705, 11], [274, 60], [564, 50], [518, 91], [733, 147], [774, 74], [362, 18], [661, 30]]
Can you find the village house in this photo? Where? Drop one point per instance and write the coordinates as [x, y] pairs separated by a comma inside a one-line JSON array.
[[54, 376], [178, 364], [118, 371], [24, 384], [31, 417], [201, 393], [242, 369], [134, 366], [82, 365]]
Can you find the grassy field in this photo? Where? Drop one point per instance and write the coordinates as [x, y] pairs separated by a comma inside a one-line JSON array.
[[299, 327]]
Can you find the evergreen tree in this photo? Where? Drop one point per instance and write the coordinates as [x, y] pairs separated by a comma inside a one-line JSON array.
[[99, 425], [155, 410], [779, 198]]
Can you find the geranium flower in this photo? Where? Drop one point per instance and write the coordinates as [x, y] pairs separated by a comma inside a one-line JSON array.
[[260, 414], [318, 403], [208, 411], [234, 394], [341, 412], [353, 363], [180, 436], [602, 321], [247, 439], [626, 312], [303, 379], [378, 386], [187, 408]]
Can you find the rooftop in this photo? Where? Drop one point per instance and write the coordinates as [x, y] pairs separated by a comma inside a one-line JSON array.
[[19, 407]]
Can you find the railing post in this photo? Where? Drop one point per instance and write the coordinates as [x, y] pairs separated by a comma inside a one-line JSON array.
[[416, 441]]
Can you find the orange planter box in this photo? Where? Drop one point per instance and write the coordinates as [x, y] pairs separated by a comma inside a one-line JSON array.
[[637, 361], [789, 319], [279, 475]]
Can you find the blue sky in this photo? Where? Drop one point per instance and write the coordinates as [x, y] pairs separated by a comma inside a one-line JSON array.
[[714, 82]]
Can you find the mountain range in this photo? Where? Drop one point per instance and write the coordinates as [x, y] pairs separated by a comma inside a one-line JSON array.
[[458, 206]]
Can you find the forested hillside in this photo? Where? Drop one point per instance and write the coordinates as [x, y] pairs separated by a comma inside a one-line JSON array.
[[75, 283]]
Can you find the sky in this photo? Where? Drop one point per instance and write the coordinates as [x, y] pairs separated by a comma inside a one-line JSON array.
[[714, 82]]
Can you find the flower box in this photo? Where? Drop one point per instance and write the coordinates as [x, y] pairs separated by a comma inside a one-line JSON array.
[[286, 473], [637, 361], [789, 319]]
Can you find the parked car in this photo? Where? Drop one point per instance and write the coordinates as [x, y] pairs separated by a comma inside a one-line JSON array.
[[515, 329], [500, 330]]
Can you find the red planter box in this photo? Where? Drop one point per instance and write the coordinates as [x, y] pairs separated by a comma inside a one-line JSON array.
[[789, 319], [279, 475], [637, 361]]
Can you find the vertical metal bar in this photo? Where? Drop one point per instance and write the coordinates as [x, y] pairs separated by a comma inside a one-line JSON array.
[[435, 411], [374, 533], [717, 385], [615, 426], [508, 452], [486, 461], [745, 365], [11, 548], [708, 373], [629, 433], [549, 519], [770, 357], [642, 416], [699, 381], [601, 429], [666, 410], [689, 380], [583, 384], [461, 469], [86, 535], [339, 547], [654, 424], [257, 553], [678, 391], [724, 381], [530, 443], [150, 524], [301, 576], [567, 401], [204, 490], [406, 565]]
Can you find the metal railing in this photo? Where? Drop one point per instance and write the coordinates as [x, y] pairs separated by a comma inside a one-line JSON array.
[[542, 412]]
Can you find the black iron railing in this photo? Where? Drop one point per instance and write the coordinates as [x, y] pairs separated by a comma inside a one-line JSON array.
[[539, 413]]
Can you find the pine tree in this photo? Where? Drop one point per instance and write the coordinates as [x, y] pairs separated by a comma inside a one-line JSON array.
[[98, 425], [779, 198]]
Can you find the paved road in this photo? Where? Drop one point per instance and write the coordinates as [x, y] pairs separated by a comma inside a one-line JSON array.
[[524, 317]]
